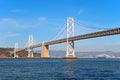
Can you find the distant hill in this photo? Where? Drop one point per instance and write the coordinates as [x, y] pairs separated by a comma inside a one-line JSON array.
[[5, 53], [84, 54], [94, 53]]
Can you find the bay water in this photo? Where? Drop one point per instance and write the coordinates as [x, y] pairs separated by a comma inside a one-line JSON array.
[[59, 69]]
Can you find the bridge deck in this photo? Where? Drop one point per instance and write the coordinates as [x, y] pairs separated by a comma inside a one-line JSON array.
[[86, 36], [80, 37]]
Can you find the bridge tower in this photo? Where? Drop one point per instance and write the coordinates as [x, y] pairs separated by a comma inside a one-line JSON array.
[[70, 33], [15, 50], [30, 42]]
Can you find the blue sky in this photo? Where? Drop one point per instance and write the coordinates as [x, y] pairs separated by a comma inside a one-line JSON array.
[[44, 18]]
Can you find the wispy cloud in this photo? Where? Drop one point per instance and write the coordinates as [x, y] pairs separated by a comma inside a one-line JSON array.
[[80, 11], [17, 11], [9, 35], [22, 24], [42, 18], [8, 21], [12, 34]]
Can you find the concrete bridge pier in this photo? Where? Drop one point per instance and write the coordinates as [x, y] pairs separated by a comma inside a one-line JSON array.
[[45, 51]]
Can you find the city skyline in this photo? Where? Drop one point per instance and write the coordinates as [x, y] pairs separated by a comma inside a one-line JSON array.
[[43, 19]]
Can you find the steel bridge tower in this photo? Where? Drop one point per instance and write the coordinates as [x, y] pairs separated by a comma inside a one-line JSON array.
[[30, 42], [70, 33], [15, 50]]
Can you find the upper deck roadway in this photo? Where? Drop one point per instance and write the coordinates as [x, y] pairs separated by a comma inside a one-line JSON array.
[[108, 32]]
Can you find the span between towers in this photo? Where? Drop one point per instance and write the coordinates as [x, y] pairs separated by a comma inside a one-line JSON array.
[[70, 53], [70, 38]]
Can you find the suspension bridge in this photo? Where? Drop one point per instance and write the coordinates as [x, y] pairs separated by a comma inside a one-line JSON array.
[[70, 38]]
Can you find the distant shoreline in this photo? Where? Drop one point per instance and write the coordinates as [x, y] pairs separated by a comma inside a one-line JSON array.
[[5, 53]]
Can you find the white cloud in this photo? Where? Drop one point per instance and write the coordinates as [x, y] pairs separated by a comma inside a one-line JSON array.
[[17, 11], [40, 21], [9, 35], [8, 21], [42, 18], [22, 24], [80, 11], [12, 34]]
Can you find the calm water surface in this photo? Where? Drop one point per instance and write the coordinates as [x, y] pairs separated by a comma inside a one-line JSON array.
[[59, 69]]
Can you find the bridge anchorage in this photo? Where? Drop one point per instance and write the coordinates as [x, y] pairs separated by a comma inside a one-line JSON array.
[[30, 43]]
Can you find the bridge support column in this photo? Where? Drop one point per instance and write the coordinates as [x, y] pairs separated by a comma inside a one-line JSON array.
[[70, 33], [45, 51]]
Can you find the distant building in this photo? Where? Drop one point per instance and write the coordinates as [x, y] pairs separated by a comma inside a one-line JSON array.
[[104, 56]]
